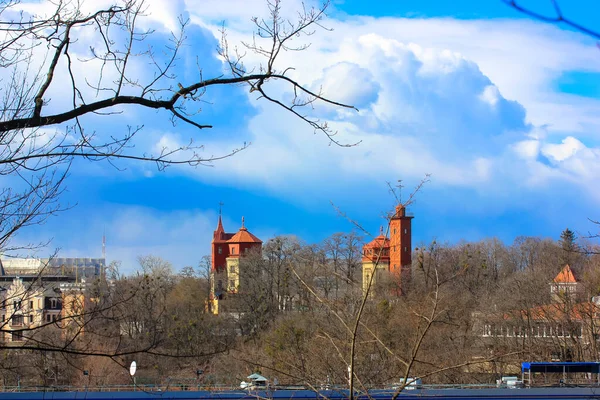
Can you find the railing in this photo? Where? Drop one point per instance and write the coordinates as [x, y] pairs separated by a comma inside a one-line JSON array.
[[120, 388]]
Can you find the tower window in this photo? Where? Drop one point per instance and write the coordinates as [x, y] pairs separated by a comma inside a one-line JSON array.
[[220, 250], [233, 250], [232, 269], [405, 231], [406, 249], [394, 231]]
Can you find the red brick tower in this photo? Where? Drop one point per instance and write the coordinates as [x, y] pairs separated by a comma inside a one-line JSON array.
[[220, 250], [400, 245]]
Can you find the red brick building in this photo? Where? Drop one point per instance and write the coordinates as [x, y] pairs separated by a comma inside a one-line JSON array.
[[390, 257], [227, 248]]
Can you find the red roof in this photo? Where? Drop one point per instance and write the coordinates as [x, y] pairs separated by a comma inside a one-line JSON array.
[[243, 236], [565, 276], [379, 242]]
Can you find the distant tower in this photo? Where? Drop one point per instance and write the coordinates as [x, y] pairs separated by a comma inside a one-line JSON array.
[[227, 248], [391, 256], [563, 287], [400, 245]]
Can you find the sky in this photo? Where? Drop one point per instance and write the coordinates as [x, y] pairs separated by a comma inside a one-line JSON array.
[[501, 110]]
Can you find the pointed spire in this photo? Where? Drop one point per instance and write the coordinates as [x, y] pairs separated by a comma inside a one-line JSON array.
[[219, 233], [243, 228]]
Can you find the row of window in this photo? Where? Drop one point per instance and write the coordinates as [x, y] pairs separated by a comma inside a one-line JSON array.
[[385, 252], [539, 330], [220, 250], [17, 320], [18, 304]]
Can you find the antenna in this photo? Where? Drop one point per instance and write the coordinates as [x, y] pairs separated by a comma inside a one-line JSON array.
[[400, 186]]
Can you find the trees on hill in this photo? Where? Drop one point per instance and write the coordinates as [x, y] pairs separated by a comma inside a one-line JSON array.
[[288, 321]]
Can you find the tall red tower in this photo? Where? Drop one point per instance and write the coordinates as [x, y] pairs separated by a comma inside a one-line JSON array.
[[220, 250], [400, 245]]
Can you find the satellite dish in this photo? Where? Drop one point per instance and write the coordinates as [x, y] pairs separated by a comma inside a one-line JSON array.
[[132, 368]]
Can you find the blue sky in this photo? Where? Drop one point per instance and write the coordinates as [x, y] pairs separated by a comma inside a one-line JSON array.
[[502, 110]]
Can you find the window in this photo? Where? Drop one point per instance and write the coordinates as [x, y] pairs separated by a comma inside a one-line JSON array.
[[53, 317], [232, 284], [17, 320], [405, 231], [17, 304], [232, 250], [406, 249], [3, 304], [52, 303], [220, 250], [394, 231], [232, 269], [31, 304], [3, 317], [246, 250], [17, 336], [47, 317], [30, 319]]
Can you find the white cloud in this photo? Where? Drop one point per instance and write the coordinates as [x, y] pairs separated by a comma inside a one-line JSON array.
[[455, 98]]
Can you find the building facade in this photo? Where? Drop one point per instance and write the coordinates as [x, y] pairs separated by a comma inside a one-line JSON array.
[[389, 259], [41, 299], [227, 248], [566, 329]]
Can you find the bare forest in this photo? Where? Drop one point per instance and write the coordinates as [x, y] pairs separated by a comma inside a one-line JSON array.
[[293, 319]]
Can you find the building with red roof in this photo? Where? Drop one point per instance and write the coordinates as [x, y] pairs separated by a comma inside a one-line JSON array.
[[564, 285], [391, 257], [227, 248]]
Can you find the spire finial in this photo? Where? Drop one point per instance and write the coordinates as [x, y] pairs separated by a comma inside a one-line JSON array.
[[381, 230], [221, 204], [243, 227]]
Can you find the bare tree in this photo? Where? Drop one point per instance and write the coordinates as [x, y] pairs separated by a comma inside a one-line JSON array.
[[43, 133], [558, 17]]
